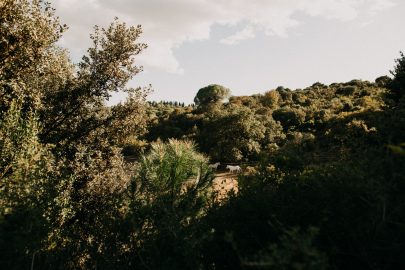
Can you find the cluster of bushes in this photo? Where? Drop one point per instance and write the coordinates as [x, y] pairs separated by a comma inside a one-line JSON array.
[[243, 128], [327, 196]]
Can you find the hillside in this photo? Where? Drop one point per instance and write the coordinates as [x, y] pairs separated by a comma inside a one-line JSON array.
[[138, 185]]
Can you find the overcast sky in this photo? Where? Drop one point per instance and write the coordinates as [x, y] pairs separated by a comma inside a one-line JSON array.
[[249, 46]]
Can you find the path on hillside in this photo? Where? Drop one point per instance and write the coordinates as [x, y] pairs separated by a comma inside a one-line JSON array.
[[225, 182]]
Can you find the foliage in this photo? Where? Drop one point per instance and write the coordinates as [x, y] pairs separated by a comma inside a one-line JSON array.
[[397, 85], [398, 149], [270, 99], [27, 34], [295, 251], [170, 192], [323, 189], [25, 187], [167, 122], [62, 173], [313, 152], [211, 94], [237, 135], [289, 118], [77, 108], [169, 167]]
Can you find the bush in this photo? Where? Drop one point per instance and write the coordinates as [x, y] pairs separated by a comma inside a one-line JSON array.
[[169, 167], [169, 193], [346, 90]]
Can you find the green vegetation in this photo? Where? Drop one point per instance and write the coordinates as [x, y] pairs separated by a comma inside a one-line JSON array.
[[397, 85], [87, 186], [211, 94]]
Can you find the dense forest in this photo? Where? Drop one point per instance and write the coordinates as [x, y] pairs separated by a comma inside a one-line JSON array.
[[84, 185]]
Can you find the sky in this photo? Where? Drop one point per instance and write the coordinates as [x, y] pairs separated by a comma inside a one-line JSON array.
[[249, 46]]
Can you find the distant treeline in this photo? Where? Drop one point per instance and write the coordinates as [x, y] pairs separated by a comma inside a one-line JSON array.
[[246, 126], [170, 103]]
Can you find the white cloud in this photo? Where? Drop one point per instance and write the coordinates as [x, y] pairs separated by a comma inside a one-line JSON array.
[[168, 24], [380, 5], [245, 33]]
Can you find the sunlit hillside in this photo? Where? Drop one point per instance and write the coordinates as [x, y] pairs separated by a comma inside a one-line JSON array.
[[297, 179]]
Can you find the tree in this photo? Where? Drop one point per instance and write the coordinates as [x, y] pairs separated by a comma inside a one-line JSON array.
[[25, 188], [87, 135], [233, 135], [61, 109], [398, 83], [383, 81], [173, 166], [289, 117], [169, 193], [28, 33], [75, 111], [211, 94]]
